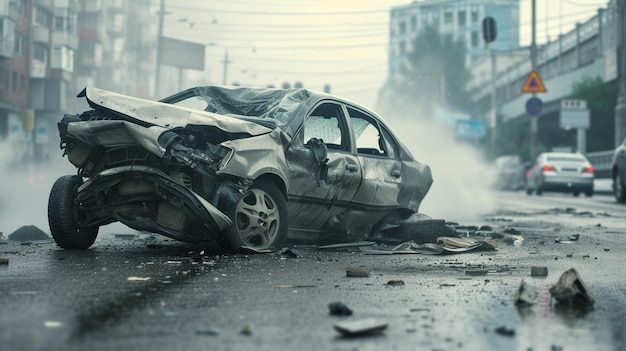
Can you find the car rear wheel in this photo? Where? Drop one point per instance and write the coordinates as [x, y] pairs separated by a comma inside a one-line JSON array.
[[529, 191], [588, 193], [618, 188], [260, 219], [63, 213]]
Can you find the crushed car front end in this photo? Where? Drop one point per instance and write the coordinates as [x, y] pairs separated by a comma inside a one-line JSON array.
[[158, 168]]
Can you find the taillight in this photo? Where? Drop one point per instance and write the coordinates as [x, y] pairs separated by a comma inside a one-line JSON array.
[[588, 169], [547, 168]]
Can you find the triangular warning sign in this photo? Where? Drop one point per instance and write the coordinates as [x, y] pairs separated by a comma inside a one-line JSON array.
[[533, 84]]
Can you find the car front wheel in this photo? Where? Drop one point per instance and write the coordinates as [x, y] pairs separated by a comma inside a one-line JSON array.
[[260, 219], [618, 188], [63, 213]]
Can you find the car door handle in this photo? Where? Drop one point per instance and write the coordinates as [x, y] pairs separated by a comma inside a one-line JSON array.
[[395, 173], [352, 168]]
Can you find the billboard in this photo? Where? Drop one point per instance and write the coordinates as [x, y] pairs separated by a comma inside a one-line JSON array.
[[182, 54]]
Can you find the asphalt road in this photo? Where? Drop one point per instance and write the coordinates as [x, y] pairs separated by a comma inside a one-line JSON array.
[[143, 292]]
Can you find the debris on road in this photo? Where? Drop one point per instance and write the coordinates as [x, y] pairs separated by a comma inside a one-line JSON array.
[[411, 247], [504, 331], [395, 283], [288, 253], [246, 330], [526, 294], [346, 245], [4, 260], [475, 272], [513, 239], [339, 309], [419, 228], [362, 327], [570, 289], [28, 233], [52, 324], [137, 279], [295, 286], [207, 332], [357, 272], [538, 271]]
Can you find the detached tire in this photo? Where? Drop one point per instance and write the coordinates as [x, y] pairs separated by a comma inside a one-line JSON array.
[[62, 215], [260, 219]]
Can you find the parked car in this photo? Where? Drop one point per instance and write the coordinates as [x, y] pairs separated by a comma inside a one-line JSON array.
[[510, 173], [618, 172], [241, 166], [560, 172]]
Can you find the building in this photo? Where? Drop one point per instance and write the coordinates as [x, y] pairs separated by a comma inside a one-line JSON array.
[[461, 19]]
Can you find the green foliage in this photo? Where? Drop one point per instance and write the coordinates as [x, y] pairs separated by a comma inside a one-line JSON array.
[[436, 65], [601, 100]]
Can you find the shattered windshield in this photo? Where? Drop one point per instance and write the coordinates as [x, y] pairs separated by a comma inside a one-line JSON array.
[[278, 106]]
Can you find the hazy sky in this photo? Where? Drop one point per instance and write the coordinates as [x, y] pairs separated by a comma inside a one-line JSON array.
[[343, 43]]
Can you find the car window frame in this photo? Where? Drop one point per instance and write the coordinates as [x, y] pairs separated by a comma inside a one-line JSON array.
[[346, 136], [384, 133]]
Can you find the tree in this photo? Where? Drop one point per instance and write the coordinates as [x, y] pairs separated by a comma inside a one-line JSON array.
[[434, 72], [601, 99]]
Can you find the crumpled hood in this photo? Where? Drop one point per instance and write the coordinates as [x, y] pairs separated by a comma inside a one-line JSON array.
[[166, 115]]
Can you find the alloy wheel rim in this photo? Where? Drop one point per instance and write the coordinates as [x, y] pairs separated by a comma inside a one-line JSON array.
[[257, 219]]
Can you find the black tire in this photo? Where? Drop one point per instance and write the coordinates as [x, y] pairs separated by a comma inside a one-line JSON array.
[[576, 193], [62, 215], [619, 190], [529, 191], [538, 190], [270, 214], [589, 193]]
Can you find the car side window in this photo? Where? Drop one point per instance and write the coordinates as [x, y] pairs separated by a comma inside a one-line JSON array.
[[326, 123], [369, 137]]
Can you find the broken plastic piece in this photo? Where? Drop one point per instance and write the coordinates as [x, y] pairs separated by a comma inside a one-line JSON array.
[[339, 309], [360, 327], [347, 245], [504, 331], [526, 294], [137, 279], [570, 289], [538, 271], [287, 252], [4, 260], [395, 282], [357, 272]]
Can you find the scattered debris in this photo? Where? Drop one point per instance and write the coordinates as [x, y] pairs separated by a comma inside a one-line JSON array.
[[53, 324], [28, 233], [504, 331], [526, 294], [410, 247], [513, 239], [574, 237], [357, 272], [395, 283], [475, 272], [419, 228], [538, 271], [246, 330], [4, 260], [606, 249], [570, 239], [511, 230], [423, 309], [207, 332], [446, 285], [295, 286], [570, 289], [339, 309], [289, 253], [346, 245], [360, 327], [137, 279]]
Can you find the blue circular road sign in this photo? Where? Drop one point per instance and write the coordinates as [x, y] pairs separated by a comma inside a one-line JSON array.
[[534, 106]]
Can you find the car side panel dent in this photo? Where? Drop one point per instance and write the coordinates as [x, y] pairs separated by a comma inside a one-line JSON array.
[[256, 156]]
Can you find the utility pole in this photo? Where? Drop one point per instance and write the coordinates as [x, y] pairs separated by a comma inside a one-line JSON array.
[[533, 63], [226, 61], [620, 107], [157, 82]]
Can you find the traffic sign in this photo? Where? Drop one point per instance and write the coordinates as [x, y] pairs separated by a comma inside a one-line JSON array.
[[534, 106], [533, 84], [467, 129]]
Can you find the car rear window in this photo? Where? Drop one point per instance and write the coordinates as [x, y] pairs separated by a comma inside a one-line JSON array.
[[566, 159]]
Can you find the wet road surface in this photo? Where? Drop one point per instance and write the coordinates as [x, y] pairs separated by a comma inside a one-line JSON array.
[[146, 292]]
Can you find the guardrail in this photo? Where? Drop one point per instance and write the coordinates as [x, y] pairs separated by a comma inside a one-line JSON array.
[[602, 162]]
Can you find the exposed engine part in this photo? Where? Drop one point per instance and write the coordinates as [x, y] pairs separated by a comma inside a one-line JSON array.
[[182, 178], [135, 187]]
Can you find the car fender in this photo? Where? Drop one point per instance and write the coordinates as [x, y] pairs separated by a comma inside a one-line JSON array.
[[257, 156]]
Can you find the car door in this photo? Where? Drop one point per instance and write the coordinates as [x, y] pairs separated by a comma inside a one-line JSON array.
[[318, 199], [379, 156]]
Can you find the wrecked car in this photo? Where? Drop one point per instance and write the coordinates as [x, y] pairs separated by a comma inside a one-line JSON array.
[[243, 167]]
